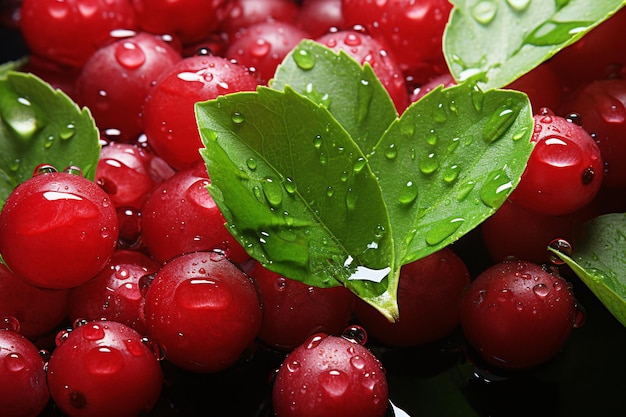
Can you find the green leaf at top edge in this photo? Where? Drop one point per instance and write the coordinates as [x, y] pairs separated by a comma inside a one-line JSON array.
[[40, 125], [504, 39], [297, 193], [449, 162], [599, 260], [352, 93]]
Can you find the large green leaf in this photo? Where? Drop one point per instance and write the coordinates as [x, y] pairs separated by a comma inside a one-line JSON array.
[[599, 260], [449, 162], [40, 125], [504, 39], [352, 93], [297, 193]]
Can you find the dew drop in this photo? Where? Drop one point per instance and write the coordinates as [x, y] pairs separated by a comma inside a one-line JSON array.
[[365, 95], [334, 382], [251, 164], [317, 141], [351, 198], [541, 290], [518, 5], [14, 362], [273, 191], [157, 350], [15, 165], [129, 55], [464, 190], [67, 132], [304, 59], [104, 360], [408, 193], [439, 114], [477, 97], [552, 32], [560, 245], [21, 118], [443, 229], [92, 332], [451, 173], [330, 191], [260, 48], [432, 138], [484, 11], [237, 118], [73, 170], [10, 323], [203, 294], [495, 189], [314, 341], [391, 152], [290, 186], [428, 163], [293, 366], [359, 164], [498, 123], [357, 362], [355, 334], [280, 284]]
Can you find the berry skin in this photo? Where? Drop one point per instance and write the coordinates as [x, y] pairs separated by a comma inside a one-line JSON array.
[[22, 377], [180, 216], [428, 293], [169, 119], [244, 13], [203, 310], [293, 311], [69, 32], [57, 230], [517, 315], [115, 81], [564, 172], [104, 368], [330, 376]]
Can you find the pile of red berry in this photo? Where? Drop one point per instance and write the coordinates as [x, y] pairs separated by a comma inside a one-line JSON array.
[[127, 296]]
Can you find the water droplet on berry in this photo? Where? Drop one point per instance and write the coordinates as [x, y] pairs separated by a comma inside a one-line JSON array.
[[334, 382], [92, 332], [10, 323], [293, 366], [104, 360], [443, 229], [408, 193], [560, 245], [157, 350], [14, 362], [484, 11], [280, 284], [541, 290], [355, 334], [129, 55], [260, 48], [304, 59], [62, 336], [204, 293], [588, 175], [314, 341]]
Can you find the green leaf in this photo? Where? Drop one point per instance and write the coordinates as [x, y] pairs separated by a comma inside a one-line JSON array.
[[449, 162], [504, 39], [297, 193], [352, 93], [599, 259], [41, 125]]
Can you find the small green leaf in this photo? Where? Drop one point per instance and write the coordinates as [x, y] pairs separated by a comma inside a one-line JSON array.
[[297, 194], [40, 125], [599, 259], [352, 93], [504, 39], [449, 162]]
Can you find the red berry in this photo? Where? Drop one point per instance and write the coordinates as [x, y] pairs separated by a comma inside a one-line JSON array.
[[203, 310], [169, 118], [57, 230], [429, 293], [564, 172], [22, 377], [115, 81], [244, 13], [330, 376], [318, 17], [104, 368], [517, 315], [293, 311], [69, 32]]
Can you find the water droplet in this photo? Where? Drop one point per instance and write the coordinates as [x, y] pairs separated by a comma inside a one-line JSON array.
[[351, 198], [541, 290], [280, 284], [432, 138], [314, 341], [10, 323], [273, 191], [552, 32], [365, 95], [104, 360], [290, 186], [499, 122], [260, 48], [520, 134], [251, 163], [477, 97], [518, 5], [203, 294], [322, 99], [428, 163], [408, 193], [68, 131], [93, 331], [439, 114], [484, 11], [14, 362], [443, 229], [330, 191], [15, 165], [48, 142], [357, 362], [451, 173], [355, 334], [73, 170], [21, 118], [359, 164], [334, 382], [238, 118], [464, 190], [391, 152], [129, 55], [317, 141], [496, 188], [560, 245], [293, 366], [304, 59]]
